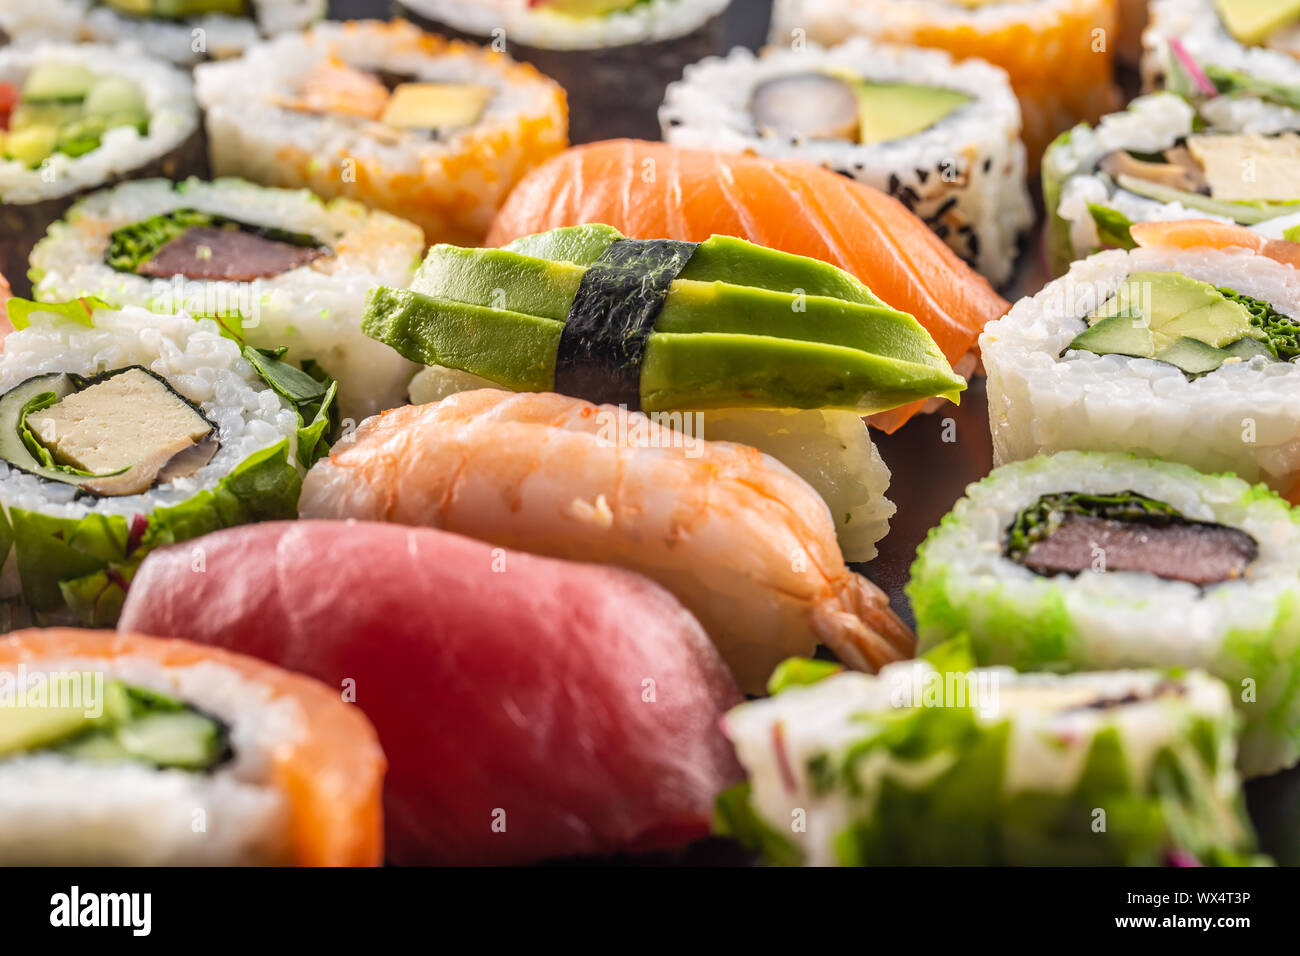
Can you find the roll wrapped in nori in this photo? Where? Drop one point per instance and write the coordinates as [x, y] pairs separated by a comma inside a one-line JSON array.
[[294, 267], [123, 431], [76, 118], [1085, 562], [921, 765], [613, 57]]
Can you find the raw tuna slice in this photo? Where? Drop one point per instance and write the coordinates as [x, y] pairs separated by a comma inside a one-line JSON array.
[[529, 708]]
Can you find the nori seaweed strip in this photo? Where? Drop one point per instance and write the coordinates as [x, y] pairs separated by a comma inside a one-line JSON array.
[[611, 318]]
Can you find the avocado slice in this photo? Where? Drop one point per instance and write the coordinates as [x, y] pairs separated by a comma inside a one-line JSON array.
[[179, 9], [49, 113], [436, 105], [1124, 334], [893, 111], [57, 82], [1253, 21], [1175, 305], [31, 145]]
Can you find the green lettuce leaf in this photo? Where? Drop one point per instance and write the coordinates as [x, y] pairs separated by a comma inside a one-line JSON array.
[[1113, 227], [80, 310]]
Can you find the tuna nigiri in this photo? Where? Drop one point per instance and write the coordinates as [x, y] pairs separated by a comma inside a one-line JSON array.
[[530, 708], [743, 542], [151, 751], [652, 191]]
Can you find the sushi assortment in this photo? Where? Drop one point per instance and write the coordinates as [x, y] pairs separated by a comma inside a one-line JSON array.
[[586, 442]]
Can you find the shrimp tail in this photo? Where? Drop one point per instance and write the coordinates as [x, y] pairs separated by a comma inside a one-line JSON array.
[[862, 630]]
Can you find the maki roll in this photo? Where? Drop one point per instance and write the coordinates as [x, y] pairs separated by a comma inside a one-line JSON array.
[[434, 131], [121, 431], [1244, 35], [670, 327], [943, 139], [614, 57], [182, 31], [1060, 54], [122, 750], [1220, 144], [74, 118], [1186, 354], [919, 766], [745, 544], [576, 706], [295, 268], [1085, 561]]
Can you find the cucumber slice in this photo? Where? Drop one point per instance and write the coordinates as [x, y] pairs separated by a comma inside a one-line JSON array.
[[58, 115], [1193, 356], [57, 82], [186, 740], [1123, 334], [115, 95], [1247, 348]]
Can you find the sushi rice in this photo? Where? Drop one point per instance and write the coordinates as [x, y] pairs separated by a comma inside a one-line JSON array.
[[313, 309], [1059, 53], [1012, 769], [1244, 631], [965, 176], [450, 187], [254, 475], [1239, 418], [183, 42]]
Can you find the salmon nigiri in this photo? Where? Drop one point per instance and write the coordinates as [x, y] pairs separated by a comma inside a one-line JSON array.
[[655, 191], [744, 543], [161, 752]]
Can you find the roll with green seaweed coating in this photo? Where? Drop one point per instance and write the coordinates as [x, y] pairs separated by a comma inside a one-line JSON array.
[[123, 431], [937, 767], [294, 267], [74, 118], [1087, 562], [744, 343]]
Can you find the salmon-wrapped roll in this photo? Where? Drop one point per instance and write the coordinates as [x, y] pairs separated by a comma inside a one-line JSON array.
[[741, 540], [127, 750]]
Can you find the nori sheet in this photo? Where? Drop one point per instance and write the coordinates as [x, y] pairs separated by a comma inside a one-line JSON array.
[[22, 225], [604, 338], [614, 92]]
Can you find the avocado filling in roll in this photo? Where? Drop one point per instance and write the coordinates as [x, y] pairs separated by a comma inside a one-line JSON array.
[[831, 106], [130, 724], [204, 246], [1270, 23], [1190, 324], [114, 434], [1071, 532], [393, 100], [65, 108]]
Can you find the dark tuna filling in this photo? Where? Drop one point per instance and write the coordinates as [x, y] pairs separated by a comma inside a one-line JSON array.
[[228, 255], [1071, 533]]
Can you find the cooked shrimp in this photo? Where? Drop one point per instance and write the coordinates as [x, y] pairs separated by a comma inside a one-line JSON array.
[[742, 541]]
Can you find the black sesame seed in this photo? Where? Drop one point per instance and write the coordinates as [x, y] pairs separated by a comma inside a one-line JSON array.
[[922, 175]]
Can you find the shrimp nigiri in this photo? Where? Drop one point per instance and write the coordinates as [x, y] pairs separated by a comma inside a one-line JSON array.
[[743, 542]]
